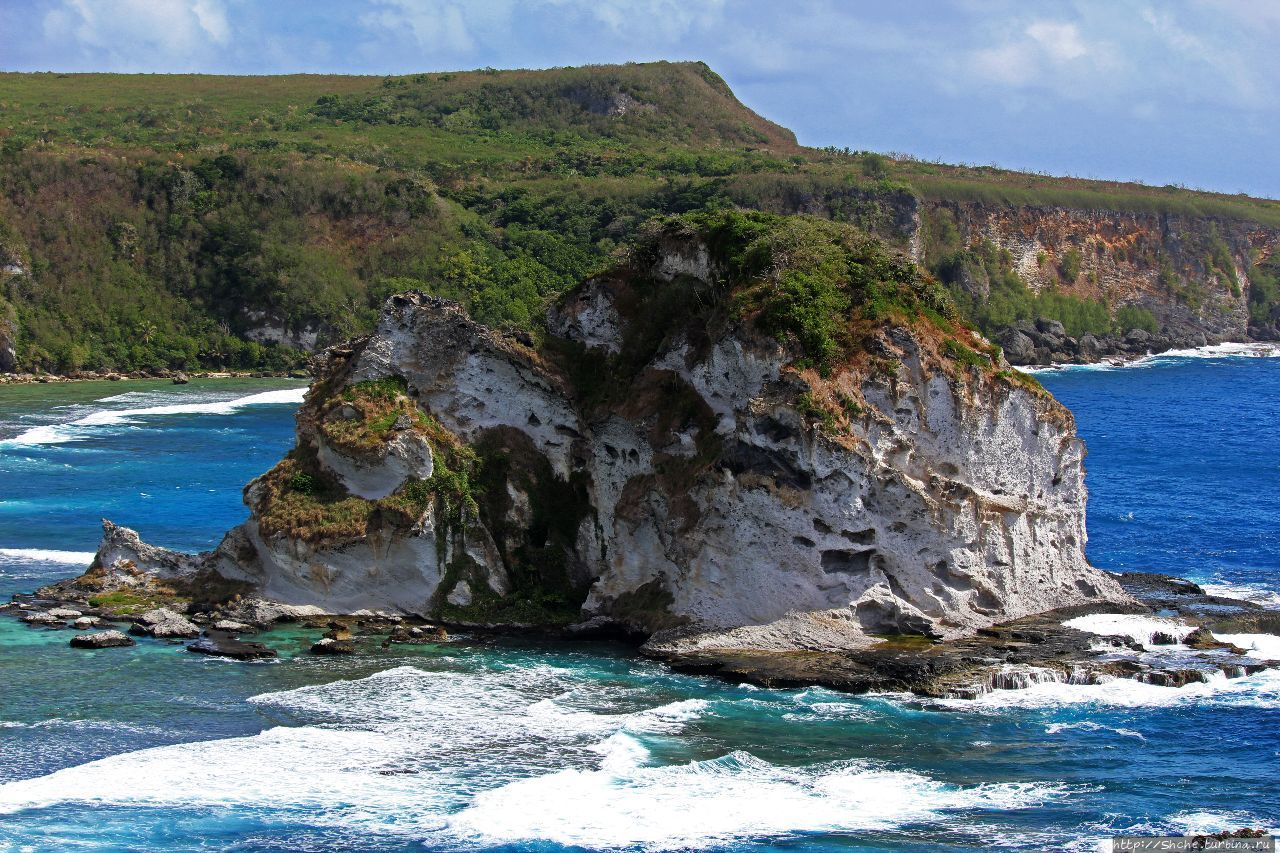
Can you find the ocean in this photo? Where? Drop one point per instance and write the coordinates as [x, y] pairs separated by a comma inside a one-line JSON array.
[[496, 744]]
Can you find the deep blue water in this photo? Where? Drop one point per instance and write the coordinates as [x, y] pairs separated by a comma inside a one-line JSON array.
[[483, 744]]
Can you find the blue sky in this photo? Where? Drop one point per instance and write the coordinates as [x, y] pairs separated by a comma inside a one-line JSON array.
[[1163, 91]]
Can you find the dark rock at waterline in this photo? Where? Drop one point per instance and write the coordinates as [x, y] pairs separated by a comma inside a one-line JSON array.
[[330, 646], [1173, 677], [1202, 639], [1021, 653], [1160, 638], [180, 378], [416, 634], [221, 644], [1052, 328], [101, 640], [1018, 348], [338, 632]]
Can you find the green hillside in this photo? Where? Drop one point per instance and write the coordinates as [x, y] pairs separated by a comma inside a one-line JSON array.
[[179, 221]]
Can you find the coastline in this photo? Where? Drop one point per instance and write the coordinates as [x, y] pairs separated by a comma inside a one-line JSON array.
[[178, 377], [1226, 349]]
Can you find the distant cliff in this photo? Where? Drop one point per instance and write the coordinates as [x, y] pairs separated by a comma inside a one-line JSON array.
[[698, 453], [1093, 275], [1120, 282]]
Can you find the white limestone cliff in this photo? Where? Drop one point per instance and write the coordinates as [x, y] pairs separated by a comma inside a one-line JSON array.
[[700, 505]]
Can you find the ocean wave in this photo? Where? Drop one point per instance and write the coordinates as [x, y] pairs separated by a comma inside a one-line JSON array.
[[1227, 350], [1089, 726], [85, 426], [1206, 822], [1261, 646], [506, 756], [114, 726], [729, 799], [1250, 592], [1260, 690], [45, 555]]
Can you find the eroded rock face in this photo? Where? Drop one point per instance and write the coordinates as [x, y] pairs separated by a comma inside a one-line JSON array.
[[8, 354], [679, 480]]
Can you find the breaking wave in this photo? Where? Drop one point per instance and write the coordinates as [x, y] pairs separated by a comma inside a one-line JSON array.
[[510, 756], [44, 555], [88, 425]]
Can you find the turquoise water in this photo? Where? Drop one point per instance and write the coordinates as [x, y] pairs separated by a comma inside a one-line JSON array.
[[490, 744]]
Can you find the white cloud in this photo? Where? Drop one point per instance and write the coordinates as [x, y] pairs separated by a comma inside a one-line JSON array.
[[134, 34], [213, 19], [1227, 61], [1060, 42], [663, 19], [439, 27], [1040, 49]]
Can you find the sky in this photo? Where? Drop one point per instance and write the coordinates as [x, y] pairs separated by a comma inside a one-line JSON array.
[[1162, 91]]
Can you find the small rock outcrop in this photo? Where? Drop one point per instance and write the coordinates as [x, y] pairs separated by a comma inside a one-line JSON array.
[[101, 640], [221, 644], [330, 646], [163, 623]]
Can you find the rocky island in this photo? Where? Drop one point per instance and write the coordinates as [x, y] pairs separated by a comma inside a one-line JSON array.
[[762, 446]]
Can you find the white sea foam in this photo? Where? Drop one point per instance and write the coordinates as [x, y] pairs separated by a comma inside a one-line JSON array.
[[1204, 822], [1140, 628], [1228, 350], [88, 425], [114, 726], [1253, 593], [508, 756], [1260, 690], [1261, 646], [44, 555], [1089, 726], [711, 803]]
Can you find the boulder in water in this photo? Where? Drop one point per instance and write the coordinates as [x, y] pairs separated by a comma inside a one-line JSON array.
[[221, 644], [330, 646], [101, 640]]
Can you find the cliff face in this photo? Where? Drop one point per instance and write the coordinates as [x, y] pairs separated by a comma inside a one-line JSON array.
[[1192, 274], [663, 467], [1183, 280], [1126, 280]]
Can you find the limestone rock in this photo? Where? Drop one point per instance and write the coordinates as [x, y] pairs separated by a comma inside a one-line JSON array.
[[101, 640], [122, 547], [164, 623], [701, 505]]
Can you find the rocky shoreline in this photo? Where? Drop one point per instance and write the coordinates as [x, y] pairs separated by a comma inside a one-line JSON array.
[[178, 377], [105, 609], [1045, 343], [1025, 652]]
